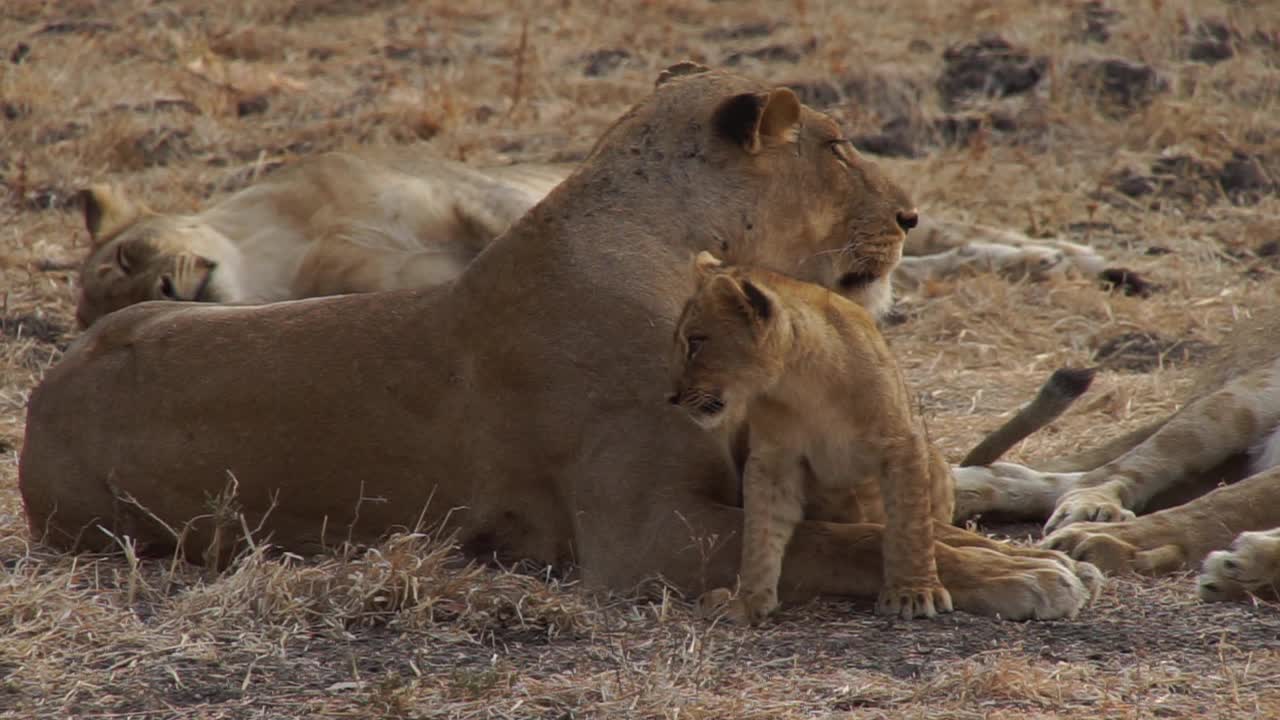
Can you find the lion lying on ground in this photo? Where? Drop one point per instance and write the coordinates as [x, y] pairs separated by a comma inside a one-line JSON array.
[[341, 222], [1229, 428], [521, 406], [401, 218]]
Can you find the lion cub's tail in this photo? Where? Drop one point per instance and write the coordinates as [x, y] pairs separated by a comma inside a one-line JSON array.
[[1055, 396]]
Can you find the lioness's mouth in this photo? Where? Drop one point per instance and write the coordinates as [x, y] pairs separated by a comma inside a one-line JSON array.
[[856, 280]]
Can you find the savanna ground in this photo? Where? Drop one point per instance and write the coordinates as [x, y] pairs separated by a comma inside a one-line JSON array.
[[1150, 130]]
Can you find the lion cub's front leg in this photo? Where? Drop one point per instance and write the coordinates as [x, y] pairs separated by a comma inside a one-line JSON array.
[[773, 504], [911, 584]]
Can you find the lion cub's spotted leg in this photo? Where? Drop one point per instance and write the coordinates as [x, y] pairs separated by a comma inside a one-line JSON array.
[[1252, 565], [911, 584], [1200, 436], [773, 502]]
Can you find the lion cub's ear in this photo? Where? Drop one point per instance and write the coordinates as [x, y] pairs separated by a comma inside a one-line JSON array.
[[106, 211], [705, 263], [753, 120], [744, 296], [685, 67]]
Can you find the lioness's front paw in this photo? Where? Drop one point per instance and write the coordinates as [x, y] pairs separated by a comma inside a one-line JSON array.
[[1116, 548], [908, 602], [1087, 505], [1252, 564], [1019, 588], [745, 609]]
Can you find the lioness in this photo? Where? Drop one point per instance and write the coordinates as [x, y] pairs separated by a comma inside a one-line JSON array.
[[341, 222], [522, 404], [1229, 428], [831, 431]]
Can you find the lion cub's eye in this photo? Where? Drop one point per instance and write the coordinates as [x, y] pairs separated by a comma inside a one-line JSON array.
[[695, 344]]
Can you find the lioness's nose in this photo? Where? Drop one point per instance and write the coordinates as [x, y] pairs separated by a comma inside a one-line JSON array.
[[908, 219]]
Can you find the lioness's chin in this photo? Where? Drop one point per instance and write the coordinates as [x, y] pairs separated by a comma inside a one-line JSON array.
[[873, 293]]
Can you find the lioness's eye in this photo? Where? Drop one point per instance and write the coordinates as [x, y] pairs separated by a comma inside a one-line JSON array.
[[837, 146], [695, 344]]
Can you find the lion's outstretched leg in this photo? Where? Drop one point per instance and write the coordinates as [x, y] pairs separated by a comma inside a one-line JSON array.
[[1179, 537], [1010, 490], [694, 544], [1199, 437]]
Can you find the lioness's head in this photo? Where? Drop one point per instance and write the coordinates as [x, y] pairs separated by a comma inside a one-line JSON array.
[[728, 345], [759, 179], [139, 255]]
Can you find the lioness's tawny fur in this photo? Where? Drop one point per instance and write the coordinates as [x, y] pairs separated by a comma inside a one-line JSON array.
[[522, 404], [832, 434]]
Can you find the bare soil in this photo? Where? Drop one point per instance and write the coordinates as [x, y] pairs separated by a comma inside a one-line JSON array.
[[1148, 130]]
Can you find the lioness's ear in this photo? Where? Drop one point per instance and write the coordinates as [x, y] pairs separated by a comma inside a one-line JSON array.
[[705, 263], [106, 210], [685, 67], [754, 119]]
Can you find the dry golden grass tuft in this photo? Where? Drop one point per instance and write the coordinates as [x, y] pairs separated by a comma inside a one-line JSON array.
[[1172, 174]]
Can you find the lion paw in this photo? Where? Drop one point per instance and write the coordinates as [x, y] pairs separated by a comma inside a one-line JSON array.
[[908, 603], [744, 609], [1252, 564], [1021, 587], [1117, 548], [1087, 505]]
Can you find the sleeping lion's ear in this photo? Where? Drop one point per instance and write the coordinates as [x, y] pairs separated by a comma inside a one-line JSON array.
[[705, 263], [685, 67], [753, 120], [107, 210]]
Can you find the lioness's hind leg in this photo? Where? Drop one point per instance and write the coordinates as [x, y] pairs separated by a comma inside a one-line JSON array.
[[1252, 565]]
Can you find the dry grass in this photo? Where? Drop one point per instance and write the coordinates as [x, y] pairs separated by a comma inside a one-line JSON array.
[[184, 101]]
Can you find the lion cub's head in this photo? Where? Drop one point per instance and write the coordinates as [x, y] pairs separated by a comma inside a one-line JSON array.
[[729, 343], [139, 255]]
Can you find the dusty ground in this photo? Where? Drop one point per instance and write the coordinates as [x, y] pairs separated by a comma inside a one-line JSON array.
[[1146, 129]]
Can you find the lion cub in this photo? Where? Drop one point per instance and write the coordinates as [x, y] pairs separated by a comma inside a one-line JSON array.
[[831, 431]]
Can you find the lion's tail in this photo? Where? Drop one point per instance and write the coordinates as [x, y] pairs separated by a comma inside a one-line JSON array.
[[1055, 396]]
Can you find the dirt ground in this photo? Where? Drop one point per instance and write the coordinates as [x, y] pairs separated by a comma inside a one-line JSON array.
[[1150, 130]]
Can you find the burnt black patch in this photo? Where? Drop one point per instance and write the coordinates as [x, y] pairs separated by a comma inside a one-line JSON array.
[[1146, 351], [1128, 282]]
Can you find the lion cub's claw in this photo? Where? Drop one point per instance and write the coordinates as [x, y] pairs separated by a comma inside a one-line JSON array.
[[744, 609], [908, 603]]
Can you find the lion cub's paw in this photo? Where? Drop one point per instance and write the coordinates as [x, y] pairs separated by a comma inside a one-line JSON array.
[[1252, 563], [1087, 505], [908, 602], [744, 609]]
